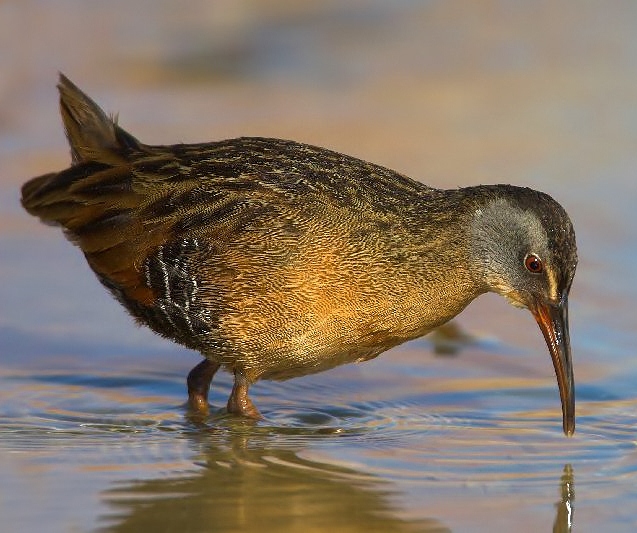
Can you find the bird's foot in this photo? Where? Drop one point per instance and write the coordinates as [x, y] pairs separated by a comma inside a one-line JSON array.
[[198, 381], [239, 402]]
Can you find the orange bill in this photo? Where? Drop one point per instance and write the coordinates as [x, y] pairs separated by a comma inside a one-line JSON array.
[[553, 321]]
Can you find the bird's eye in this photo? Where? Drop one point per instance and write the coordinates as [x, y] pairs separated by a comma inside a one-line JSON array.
[[533, 264]]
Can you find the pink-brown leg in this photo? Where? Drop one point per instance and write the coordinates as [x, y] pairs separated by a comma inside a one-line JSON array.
[[239, 403], [198, 381]]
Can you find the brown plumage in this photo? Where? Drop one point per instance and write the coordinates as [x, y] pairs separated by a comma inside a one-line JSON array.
[[277, 259]]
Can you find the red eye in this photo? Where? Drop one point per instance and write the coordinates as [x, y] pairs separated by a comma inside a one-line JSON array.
[[533, 264]]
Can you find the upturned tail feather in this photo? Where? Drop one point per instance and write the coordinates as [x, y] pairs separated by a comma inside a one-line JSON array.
[[94, 199], [97, 144], [92, 134]]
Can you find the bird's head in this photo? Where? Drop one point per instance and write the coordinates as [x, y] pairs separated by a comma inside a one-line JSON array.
[[523, 247]]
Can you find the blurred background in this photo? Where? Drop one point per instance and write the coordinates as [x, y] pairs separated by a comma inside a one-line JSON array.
[[93, 431]]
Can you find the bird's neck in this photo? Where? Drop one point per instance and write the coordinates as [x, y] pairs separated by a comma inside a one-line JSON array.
[[443, 280]]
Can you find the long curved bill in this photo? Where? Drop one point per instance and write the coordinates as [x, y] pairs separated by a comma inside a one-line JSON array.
[[553, 321]]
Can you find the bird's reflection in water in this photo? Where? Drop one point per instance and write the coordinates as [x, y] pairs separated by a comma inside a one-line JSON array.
[[449, 339], [253, 478], [258, 482], [564, 515]]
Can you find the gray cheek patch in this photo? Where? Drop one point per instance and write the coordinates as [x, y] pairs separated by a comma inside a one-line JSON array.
[[501, 236]]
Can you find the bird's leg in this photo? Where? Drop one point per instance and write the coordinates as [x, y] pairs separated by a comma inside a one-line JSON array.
[[198, 381], [239, 403]]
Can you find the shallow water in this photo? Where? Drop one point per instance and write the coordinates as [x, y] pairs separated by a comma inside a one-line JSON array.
[[460, 434]]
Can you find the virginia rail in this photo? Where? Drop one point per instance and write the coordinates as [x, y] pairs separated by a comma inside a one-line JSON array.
[[276, 259]]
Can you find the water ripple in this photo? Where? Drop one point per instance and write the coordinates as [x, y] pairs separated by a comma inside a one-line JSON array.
[[444, 436]]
